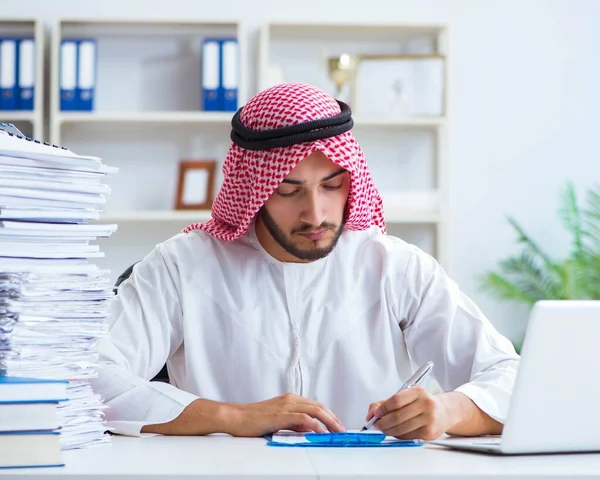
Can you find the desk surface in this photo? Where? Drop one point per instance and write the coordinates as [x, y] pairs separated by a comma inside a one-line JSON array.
[[224, 457]]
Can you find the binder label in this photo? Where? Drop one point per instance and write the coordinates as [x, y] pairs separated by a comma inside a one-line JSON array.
[[210, 66], [87, 67], [230, 65], [68, 66]]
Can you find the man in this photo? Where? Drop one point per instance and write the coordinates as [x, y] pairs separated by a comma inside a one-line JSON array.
[[291, 308]]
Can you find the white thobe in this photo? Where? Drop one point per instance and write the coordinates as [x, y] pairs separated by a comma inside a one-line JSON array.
[[236, 325]]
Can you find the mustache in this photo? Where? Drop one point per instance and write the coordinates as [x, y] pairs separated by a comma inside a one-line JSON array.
[[309, 228]]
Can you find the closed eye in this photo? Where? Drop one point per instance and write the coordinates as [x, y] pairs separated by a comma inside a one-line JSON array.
[[290, 194], [332, 187]]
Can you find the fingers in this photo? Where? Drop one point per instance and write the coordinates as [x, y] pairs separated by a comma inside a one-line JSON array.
[[301, 422], [333, 415], [398, 417], [292, 398], [406, 429], [323, 415], [400, 400], [316, 410], [410, 415], [371, 411]]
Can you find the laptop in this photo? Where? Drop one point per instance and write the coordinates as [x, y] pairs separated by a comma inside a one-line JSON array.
[[555, 407]]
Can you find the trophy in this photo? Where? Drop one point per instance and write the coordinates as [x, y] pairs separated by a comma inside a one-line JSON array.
[[341, 71]]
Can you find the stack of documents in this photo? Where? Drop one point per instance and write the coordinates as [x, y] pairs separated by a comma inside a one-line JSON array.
[[54, 300]]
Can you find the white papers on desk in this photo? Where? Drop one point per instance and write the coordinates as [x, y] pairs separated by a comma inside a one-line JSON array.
[[8, 201], [53, 301], [15, 147], [57, 229], [70, 169], [40, 250], [34, 193], [81, 418], [49, 215], [46, 185], [15, 168]]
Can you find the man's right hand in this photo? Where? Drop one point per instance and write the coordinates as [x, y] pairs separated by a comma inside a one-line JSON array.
[[286, 412]]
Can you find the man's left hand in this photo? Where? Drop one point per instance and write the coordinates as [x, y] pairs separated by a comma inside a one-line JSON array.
[[413, 413]]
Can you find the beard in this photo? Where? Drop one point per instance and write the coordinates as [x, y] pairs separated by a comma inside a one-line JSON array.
[[311, 253]]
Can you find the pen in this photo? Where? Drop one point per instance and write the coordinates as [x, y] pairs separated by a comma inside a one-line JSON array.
[[413, 381]]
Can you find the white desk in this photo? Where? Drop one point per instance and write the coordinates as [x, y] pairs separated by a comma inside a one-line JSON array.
[[226, 458]]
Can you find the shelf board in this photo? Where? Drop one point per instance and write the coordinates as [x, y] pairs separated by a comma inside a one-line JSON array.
[[17, 22], [396, 215], [354, 28], [8, 116], [145, 117], [404, 122], [124, 28], [152, 22], [218, 118]]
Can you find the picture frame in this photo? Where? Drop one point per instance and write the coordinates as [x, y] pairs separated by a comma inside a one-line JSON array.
[[196, 184], [400, 85]]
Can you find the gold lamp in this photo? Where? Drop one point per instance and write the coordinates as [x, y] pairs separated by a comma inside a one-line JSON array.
[[341, 70]]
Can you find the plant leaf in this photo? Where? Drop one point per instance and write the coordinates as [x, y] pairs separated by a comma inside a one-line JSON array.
[[570, 215], [530, 243], [504, 289], [591, 219], [533, 275]]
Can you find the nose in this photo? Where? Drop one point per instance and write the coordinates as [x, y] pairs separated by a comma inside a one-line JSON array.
[[315, 211]]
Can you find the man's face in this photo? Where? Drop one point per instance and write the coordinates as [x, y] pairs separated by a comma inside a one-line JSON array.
[[304, 218]]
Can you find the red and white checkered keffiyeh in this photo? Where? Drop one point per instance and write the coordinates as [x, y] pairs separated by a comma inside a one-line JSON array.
[[251, 177]]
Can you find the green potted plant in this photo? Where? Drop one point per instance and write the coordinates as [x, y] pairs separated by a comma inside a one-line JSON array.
[[533, 275]]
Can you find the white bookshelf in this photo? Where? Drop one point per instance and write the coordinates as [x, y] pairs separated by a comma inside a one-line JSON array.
[[147, 109], [147, 117], [31, 123], [145, 134], [407, 155]]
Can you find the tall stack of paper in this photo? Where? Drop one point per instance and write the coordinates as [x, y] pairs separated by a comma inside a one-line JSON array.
[[53, 299]]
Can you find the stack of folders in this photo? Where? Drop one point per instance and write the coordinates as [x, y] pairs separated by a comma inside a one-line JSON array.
[[53, 300], [77, 74], [220, 74], [29, 422]]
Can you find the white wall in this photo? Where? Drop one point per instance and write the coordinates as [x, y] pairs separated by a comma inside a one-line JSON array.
[[524, 98]]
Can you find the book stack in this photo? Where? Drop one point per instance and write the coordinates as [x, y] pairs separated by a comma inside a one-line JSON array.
[[29, 423], [53, 300]]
